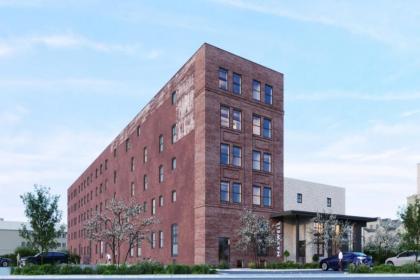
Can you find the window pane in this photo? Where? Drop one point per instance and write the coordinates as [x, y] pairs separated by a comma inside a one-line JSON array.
[[224, 154], [237, 156], [223, 78], [236, 193], [267, 128], [237, 81], [173, 163], [237, 119], [161, 143], [256, 125], [224, 116], [256, 160], [224, 191], [267, 197], [256, 90], [174, 133], [268, 94], [299, 198], [173, 97], [256, 195], [267, 162], [160, 174], [174, 239]]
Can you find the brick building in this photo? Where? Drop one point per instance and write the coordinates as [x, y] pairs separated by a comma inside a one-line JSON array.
[[207, 145]]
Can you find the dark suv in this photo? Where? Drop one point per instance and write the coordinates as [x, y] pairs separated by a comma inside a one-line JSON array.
[[5, 261], [47, 257]]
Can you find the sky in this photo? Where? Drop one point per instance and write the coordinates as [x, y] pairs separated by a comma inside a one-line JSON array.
[[74, 73]]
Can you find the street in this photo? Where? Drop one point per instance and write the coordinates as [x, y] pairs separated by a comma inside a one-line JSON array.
[[228, 274]]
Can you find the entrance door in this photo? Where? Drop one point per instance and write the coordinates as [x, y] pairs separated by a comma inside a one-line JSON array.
[[302, 251], [224, 250]]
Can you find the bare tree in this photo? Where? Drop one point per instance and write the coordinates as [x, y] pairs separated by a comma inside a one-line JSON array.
[[256, 234], [328, 230], [120, 223]]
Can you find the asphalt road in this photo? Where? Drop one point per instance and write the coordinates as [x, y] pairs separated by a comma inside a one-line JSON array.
[[228, 275]]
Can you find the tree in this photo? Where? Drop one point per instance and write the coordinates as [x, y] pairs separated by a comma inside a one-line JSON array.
[[386, 239], [256, 235], [121, 223], [329, 231], [410, 217], [41, 208]]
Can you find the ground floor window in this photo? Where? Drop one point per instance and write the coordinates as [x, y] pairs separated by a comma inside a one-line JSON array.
[[224, 250]]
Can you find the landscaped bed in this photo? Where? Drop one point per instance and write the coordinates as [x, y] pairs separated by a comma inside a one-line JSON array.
[[141, 268], [385, 268]]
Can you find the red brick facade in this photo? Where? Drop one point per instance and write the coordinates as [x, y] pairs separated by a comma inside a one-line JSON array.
[[198, 211]]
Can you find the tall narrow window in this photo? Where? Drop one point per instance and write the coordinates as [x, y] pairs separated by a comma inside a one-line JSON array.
[[224, 154], [237, 119], [173, 163], [161, 174], [224, 116], [236, 193], [256, 90], [223, 73], [173, 98], [174, 240], [329, 201], [115, 176], [256, 160], [115, 152], [145, 154], [127, 145], [153, 206], [237, 156], [224, 191], [267, 128], [299, 198], [237, 83], [160, 239], [256, 195], [139, 247], [160, 143], [173, 196], [267, 196], [106, 164], [145, 182], [173, 133], [138, 130], [161, 201], [267, 162], [132, 189], [153, 240], [132, 164], [268, 95], [256, 125]]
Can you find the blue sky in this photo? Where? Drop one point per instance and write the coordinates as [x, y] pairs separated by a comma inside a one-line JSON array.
[[74, 73]]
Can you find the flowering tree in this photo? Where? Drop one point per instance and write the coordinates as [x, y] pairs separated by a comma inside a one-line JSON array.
[[328, 230], [256, 234], [120, 224], [386, 238]]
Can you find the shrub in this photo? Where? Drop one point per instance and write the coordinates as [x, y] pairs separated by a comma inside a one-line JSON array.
[[178, 269], [202, 269], [315, 258], [70, 269], [223, 265], [359, 268]]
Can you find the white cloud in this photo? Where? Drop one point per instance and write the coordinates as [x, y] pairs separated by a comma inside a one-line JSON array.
[[12, 116], [12, 46], [339, 95], [394, 24], [407, 114]]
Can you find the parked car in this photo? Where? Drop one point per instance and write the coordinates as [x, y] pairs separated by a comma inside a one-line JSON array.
[[348, 258], [46, 257], [403, 258], [5, 262]]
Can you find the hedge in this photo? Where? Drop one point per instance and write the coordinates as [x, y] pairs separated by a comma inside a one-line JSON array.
[[141, 268], [385, 268]]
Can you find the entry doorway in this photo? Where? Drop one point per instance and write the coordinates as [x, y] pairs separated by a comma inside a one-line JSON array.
[[224, 250]]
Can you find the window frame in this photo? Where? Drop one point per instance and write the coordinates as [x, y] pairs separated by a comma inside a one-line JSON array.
[[256, 90], [224, 193], [161, 143], [223, 118], [268, 130], [237, 124], [254, 160], [223, 79], [161, 174], [236, 157], [235, 84], [256, 196], [269, 94], [256, 127], [267, 163], [269, 196], [299, 198], [173, 134], [173, 97], [223, 154], [174, 240], [236, 194]]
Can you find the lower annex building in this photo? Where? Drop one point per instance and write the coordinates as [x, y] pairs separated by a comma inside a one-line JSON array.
[[209, 144]]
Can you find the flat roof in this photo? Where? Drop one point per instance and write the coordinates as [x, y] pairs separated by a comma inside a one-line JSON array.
[[293, 213]]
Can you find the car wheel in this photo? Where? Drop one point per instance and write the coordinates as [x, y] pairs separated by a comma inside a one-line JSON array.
[[390, 263], [324, 266], [4, 264]]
